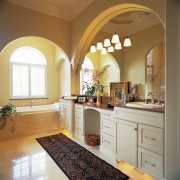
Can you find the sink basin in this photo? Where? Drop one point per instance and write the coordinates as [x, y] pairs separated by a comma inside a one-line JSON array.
[[70, 97], [143, 105]]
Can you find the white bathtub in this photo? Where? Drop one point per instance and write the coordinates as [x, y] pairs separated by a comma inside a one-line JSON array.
[[40, 108]]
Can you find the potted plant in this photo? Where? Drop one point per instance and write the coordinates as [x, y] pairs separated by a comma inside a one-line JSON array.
[[90, 89], [5, 113]]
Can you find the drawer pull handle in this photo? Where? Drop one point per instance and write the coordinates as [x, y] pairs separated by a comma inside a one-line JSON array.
[[150, 164], [106, 126], [107, 114], [153, 139], [107, 141]]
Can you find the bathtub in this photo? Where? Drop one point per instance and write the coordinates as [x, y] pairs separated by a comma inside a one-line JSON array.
[[37, 109], [31, 121]]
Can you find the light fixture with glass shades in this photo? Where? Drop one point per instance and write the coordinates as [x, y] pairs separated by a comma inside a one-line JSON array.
[[93, 48], [99, 46], [103, 51], [127, 42], [115, 39], [110, 46], [107, 43]]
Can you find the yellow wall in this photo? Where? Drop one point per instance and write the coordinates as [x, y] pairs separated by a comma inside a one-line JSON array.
[[52, 73]]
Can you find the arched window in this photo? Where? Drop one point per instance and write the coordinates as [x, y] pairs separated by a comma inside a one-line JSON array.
[[86, 74], [28, 73]]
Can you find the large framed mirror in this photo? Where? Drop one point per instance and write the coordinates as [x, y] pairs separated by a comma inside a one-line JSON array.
[[155, 71]]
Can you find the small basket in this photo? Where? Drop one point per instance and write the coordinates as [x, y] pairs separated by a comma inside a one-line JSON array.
[[92, 139]]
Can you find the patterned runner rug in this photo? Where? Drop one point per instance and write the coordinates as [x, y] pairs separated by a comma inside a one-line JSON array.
[[76, 161]]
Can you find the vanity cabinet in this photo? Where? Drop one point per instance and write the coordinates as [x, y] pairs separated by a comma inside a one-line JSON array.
[[139, 139], [107, 131], [126, 141], [66, 114], [79, 122]]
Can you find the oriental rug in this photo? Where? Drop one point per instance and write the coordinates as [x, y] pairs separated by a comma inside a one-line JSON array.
[[77, 162]]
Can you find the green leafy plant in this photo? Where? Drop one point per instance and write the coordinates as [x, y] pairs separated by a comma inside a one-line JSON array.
[[90, 89], [5, 113]]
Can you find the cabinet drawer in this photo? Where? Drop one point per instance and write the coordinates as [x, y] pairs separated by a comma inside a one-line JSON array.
[[79, 128], [107, 127], [109, 115], [78, 108], [150, 138], [107, 141], [150, 163], [140, 116], [79, 117]]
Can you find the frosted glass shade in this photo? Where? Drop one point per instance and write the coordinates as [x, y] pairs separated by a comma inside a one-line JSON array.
[[115, 39], [99, 45], [127, 42], [103, 51], [93, 48], [110, 49], [118, 46], [107, 43]]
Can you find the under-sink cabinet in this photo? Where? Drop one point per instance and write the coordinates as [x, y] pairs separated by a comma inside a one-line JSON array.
[[79, 122], [107, 131], [66, 114], [126, 141], [139, 139]]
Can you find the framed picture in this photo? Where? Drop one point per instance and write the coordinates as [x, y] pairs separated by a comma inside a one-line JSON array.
[[117, 89]]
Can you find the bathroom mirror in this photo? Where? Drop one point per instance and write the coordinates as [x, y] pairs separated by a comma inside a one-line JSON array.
[[155, 71]]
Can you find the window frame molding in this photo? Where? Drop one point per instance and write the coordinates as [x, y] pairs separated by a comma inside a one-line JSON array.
[[29, 65]]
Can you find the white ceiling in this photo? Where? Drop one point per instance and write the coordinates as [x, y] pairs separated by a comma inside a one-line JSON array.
[[64, 9], [124, 24]]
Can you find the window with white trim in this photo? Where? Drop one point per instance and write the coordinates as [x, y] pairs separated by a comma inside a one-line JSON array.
[[28, 73], [86, 74]]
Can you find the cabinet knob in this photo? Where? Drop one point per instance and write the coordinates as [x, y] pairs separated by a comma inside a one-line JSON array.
[[150, 163], [153, 139], [135, 129]]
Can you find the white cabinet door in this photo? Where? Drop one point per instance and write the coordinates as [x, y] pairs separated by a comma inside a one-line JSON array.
[[126, 141], [68, 117]]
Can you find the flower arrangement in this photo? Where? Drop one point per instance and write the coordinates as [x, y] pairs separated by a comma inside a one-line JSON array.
[[93, 85], [96, 78]]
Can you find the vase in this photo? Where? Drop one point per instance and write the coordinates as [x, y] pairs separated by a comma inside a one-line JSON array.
[[98, 94]]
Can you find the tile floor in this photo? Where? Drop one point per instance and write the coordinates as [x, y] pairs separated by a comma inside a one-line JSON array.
[[24, 159]]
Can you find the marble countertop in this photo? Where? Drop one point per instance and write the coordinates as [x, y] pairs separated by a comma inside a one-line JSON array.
[[104, 106]]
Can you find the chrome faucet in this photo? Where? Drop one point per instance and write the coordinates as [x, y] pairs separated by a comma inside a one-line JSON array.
[[152, 97], [31, 103], [161, 97]]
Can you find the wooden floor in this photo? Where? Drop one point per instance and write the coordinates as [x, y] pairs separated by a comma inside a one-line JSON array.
[[24, 159]]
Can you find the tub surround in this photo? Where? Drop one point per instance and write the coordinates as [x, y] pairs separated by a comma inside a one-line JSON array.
[[30, 123]]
